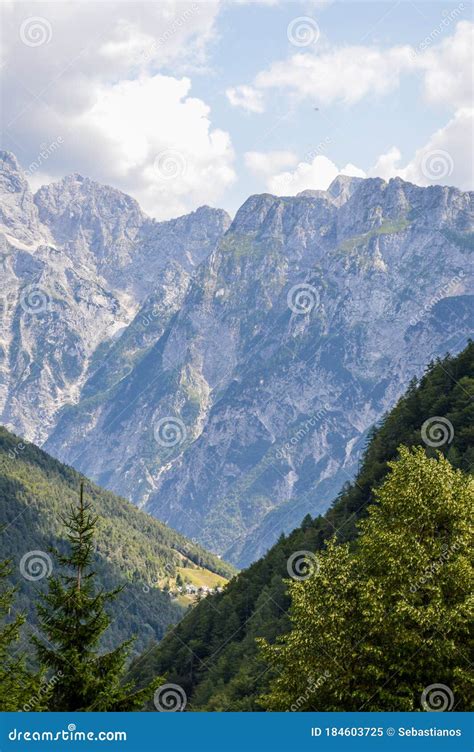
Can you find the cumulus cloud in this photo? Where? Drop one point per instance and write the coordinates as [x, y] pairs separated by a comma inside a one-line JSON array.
[[348, 74], [245, 97], [445, 158], [93, 74], [448, 68], [315, 175]]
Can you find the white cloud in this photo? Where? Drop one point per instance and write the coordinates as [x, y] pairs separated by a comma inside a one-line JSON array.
[[315, 175], [351, 73], [94, 82], [446, 158], [246, 97], [263, 164], [347, 74], [448, 68], [161, 144]]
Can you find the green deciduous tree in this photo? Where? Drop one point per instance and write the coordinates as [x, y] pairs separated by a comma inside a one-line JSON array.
[[73, 618], [377, 625]]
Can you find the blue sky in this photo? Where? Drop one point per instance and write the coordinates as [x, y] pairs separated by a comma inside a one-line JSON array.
[[250, 38], [185, 103]]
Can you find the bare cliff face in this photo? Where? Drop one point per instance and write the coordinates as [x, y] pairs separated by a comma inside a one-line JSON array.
[[224, 378], [77, 262]]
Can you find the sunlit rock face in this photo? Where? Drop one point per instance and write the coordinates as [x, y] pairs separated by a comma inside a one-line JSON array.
[[224, 376]]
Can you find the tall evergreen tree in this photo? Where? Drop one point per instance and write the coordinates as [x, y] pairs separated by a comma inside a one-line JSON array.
[[17, 685], [73, 618]]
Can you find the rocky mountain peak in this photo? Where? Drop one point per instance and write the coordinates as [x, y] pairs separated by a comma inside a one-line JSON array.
[[18, 214]]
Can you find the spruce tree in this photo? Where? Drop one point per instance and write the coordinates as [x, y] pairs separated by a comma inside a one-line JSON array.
[[18, 687], [73, 618]]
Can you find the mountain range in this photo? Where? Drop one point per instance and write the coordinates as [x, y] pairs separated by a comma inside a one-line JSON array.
[[213, 653], [223, 374]]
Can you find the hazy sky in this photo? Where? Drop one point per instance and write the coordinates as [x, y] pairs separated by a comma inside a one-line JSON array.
[[186, 103]]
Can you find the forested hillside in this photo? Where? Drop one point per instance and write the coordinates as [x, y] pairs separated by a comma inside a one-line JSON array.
[[133, 550], [212, 654]]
